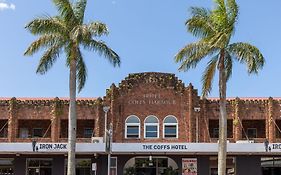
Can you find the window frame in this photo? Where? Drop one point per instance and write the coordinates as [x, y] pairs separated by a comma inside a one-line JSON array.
[[216, 131], [151, 124], [4, 133], [42, 132], [254, 129], [84, 132], [116, 163], [26, 133], [171, 124], [132, 124]]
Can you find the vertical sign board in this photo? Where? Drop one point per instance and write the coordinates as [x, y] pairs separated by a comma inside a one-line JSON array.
[[94, 168], [189, 166]]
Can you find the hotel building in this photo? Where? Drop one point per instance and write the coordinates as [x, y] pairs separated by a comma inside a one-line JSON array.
[[155, 126]]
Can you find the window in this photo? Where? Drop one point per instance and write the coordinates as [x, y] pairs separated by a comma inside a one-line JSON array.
[[170, 127], [88, 132], [37, 132], [6, 166], [151, 127], [113, 166], [23, 133], [215, 133], [252, 132], [83, 166], [39, 166], [132, 127], [4, 133]]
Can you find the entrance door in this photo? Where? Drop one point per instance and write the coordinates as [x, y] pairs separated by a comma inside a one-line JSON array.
[[150, 165], [146, 171]]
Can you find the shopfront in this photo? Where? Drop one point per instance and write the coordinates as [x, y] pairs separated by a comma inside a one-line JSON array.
[[155, 165], [6, 166], [139, 158]]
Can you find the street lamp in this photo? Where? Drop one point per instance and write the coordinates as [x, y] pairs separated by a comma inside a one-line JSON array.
[[109, 145], [105, 110], [197, 109], [107, 133]]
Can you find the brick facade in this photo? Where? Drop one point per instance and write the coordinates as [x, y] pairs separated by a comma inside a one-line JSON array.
[[142, 95]]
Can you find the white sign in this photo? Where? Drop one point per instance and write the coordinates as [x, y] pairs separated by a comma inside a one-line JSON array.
[[164, 147], [274, 147], [189, 166], [190, 148], [171, 148], [94, 166], [37, 147]]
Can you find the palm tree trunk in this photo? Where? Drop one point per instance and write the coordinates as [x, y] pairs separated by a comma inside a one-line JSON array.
[[223, 117], [72, 119]]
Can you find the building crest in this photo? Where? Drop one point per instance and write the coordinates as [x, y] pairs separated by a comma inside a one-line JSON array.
[[161, 80]]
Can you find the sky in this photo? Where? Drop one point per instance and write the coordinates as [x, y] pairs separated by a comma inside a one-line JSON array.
[[146, 34]]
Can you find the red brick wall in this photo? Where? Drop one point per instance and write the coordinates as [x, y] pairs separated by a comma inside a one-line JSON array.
[[81, 125], [145, 94]]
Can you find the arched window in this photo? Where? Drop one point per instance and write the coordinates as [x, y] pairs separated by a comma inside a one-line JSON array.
[[170, 127], [151, 127], [132, 125]]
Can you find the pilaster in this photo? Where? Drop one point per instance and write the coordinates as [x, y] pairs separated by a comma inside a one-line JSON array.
[[99, 118], [55, 120], [191, 118], [270, 122], [237, 121], [12, 120], [204, 127]]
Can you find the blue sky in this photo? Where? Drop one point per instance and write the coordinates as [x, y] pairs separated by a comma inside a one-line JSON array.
[[146, 34]]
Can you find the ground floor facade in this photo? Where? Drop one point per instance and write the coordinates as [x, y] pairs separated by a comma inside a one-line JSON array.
[[139, 165], [139, 159]]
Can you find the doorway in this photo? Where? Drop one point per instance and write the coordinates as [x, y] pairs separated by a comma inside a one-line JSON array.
[[271, 165], [150, 165]]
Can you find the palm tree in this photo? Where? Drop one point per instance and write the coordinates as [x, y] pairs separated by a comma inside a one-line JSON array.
[[67, 33], [214, 29]]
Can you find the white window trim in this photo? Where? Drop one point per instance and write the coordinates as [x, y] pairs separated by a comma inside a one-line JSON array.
[[151, 124], [132, 124], [171, 124]]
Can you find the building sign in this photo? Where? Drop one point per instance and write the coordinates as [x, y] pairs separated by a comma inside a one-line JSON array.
[[163, 147], [189, 166], [167, 148], [152, 99], [37, 147], [150, 147], [40, 147], [273, 147]]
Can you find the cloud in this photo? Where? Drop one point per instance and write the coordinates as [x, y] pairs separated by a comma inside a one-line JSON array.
[[6, 6]]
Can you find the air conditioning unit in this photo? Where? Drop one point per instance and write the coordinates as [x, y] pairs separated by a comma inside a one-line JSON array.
[[97, 139], [245, 141]]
